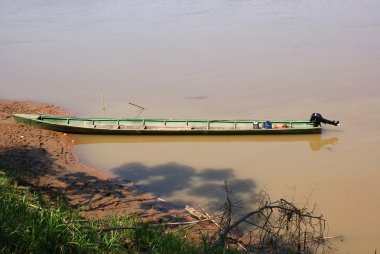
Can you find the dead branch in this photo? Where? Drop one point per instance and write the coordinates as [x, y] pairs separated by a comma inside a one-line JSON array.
[[158, 224], [273, 227]]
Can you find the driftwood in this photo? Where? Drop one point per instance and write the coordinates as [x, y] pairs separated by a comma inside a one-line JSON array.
[[272, 227]]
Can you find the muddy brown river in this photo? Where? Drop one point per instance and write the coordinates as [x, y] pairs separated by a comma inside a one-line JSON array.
[[216, 59]]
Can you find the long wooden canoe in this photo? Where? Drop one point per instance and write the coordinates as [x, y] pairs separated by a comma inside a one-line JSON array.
[[153, 126]]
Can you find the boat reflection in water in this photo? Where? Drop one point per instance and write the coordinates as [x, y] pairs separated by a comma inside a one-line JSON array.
[[316, 142]]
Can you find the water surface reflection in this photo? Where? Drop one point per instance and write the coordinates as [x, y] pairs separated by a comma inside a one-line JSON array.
[[192, 169], [316, 141], [173, 180]]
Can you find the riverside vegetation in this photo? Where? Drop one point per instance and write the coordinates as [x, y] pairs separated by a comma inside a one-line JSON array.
[[29, 224]]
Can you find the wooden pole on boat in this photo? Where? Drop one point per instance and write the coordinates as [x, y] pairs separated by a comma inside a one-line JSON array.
[[103, 105], [141, 108], [136, 105]]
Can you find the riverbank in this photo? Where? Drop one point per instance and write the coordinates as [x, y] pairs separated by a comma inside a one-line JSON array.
[[46, 161]]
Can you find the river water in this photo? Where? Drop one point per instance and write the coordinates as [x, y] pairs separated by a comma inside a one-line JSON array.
[[216, 59]]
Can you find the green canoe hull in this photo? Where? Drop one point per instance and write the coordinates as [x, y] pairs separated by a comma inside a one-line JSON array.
[[152, 126]]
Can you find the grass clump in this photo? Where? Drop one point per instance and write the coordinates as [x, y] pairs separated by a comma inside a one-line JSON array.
[[154, 239], [29, 225]]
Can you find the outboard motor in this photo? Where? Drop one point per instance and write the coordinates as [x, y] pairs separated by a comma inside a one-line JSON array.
[[317, 119]]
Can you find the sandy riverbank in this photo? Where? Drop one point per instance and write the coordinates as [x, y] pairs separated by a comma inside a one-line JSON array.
[[46, 161]]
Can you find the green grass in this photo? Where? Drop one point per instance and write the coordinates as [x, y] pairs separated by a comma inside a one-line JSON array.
[[29, 225], [153, 239]]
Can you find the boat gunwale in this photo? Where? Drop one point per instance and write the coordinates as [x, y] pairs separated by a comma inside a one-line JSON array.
[[38, 121], [42, 117]]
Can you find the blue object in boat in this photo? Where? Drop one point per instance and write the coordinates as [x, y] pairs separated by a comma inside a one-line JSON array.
[[267, 125]]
